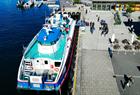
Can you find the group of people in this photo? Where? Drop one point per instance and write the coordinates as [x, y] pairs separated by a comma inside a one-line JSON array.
[[104, 28], [127, 80]]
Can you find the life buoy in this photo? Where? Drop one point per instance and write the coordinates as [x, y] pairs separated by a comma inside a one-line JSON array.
[[67, 29], [56, 69], [51, 66], [69, 38]]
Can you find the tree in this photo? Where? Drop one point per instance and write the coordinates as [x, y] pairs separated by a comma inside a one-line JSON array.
[[116, 41], [129, 10], [129, 7], [137, 47], [135, 43], [125, 41], [117, 46], [76, 1], [127, 47]]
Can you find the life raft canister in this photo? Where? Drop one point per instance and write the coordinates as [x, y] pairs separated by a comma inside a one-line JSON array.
[[69, 38], [67, 28], [56, 69]]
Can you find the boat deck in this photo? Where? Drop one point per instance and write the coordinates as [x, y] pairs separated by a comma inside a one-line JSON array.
[[34, 53]]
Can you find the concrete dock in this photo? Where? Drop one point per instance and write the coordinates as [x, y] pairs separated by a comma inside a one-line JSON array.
[[94, 67], [94, 71]]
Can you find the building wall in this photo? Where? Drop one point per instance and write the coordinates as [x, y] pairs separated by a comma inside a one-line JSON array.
[[136, 7], [118, 6]]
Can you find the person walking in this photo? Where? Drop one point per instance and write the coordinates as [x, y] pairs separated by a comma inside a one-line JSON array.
[[86, 11], [106, 30], [90, 24], [110, 52], [103, 31], [98, 18], [91, 27]]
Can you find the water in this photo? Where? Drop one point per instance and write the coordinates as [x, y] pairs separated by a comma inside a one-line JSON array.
[[17, 28]]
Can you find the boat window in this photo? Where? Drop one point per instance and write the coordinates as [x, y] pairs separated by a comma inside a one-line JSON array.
[[37, 60], [46, 62], [57, 64]]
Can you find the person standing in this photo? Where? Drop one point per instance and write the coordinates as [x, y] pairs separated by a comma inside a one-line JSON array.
[[98, 18], [90, 24], [106, 30], [93, 24], [91, 27], [86, 11], [131, 21], [110, 52]]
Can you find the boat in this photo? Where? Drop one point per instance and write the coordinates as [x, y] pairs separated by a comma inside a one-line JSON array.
[[20, 3], [28, 4], [25, 3], [47, 59]]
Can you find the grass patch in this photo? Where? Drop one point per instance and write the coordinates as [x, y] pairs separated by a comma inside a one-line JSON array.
[[138, 37], [76, 1]]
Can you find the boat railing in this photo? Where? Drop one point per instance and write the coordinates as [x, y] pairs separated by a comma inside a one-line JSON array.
[[30, 45], [64, 55]]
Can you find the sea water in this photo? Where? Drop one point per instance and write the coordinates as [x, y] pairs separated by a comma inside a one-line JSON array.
[[17, 28]]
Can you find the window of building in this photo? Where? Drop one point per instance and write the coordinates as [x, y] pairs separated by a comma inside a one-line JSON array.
[[46, 62], [99, 7], [94, 6], [103, 7], [108, 7], [57, 64]]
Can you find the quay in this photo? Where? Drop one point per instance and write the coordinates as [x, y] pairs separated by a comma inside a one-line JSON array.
[[94, 69]]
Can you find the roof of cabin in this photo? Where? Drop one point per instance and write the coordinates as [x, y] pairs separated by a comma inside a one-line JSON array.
[[34, 53], [48, 38]]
